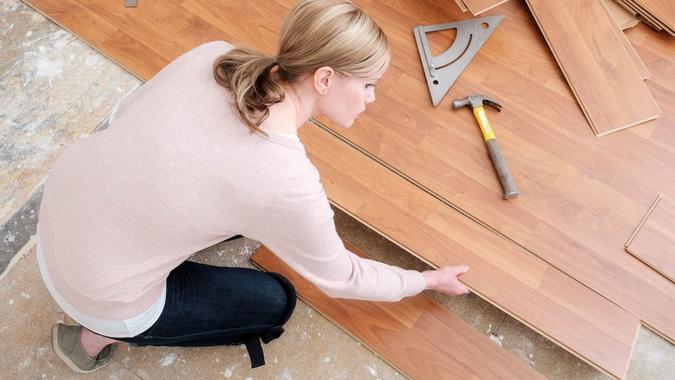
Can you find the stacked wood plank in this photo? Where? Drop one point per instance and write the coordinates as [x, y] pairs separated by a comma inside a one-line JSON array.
[[653, 241], [582, 37], [659, 14], [623, 18], [427, 173], [477, 7], [417, 336]]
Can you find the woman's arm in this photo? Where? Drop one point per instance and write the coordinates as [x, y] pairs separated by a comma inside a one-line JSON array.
[[299, 228]]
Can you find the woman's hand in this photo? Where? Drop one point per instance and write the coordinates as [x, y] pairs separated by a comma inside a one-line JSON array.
[[445, 280]]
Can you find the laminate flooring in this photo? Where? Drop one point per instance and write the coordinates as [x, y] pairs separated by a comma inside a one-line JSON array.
[[416, 335], [642, 70], [661, 10], [521, 284], [589, 51], [580, 195]]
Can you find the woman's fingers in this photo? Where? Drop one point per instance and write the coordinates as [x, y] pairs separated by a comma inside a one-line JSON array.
[[445, 280], [455, 287]]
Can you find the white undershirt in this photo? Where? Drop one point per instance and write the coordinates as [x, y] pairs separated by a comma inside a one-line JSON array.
[[286, 135], [120, 328]]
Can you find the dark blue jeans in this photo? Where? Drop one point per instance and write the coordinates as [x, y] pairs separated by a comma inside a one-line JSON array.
[[209, 306]]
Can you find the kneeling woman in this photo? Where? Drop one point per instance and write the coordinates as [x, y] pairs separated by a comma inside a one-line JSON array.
[[206, 150]]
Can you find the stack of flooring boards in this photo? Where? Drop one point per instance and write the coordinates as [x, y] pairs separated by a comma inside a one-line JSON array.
[[553, 258], [600, 65], [659, 14]]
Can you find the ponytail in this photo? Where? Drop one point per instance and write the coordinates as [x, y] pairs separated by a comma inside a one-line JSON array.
[[315, 33], [247, 73]]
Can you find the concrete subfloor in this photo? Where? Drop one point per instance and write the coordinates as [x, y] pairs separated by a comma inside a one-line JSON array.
[[54, 90]]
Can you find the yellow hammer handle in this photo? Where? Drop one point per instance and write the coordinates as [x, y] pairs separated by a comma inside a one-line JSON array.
[[479, 113]]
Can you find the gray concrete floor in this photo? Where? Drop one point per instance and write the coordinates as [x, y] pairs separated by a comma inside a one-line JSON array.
[[54, 89]]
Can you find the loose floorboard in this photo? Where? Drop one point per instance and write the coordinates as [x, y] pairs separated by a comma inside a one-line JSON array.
[[416, 336], [654, 241], [580, 195], [634, 57], [589, 52]]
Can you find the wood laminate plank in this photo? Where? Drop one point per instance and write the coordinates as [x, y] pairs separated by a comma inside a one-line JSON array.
[[654, 241], [501, 272], [416, 336], [461, 5], [477, 7], [647, 18], [662, 10], [652, 20], [634, 57], [596, 65]]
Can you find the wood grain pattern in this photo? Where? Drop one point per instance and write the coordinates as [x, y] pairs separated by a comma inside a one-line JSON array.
[[634, 57], [430, 342], [477, 7], [644, 16], [654, 241], [501, 272], [595, 64], [662, 10], [582, 194]]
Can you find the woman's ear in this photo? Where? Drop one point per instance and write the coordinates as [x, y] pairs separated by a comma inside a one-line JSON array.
[[323, 78]]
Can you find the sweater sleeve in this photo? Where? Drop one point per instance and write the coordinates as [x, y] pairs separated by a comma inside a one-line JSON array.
[[298, 227]]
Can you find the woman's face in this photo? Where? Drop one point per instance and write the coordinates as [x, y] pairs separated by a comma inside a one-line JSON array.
[[347, 97]]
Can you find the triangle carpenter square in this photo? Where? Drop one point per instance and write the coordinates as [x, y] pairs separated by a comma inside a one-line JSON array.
[[442, 70]]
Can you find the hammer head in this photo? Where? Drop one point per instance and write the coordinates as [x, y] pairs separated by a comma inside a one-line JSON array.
[[476, 101]]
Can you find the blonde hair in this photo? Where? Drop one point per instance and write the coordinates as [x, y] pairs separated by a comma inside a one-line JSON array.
[[315, 33]]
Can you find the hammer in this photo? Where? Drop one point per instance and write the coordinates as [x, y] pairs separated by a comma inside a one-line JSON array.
[[498, 160]]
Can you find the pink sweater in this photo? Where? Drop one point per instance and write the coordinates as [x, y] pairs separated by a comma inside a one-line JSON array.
[[178, 172]]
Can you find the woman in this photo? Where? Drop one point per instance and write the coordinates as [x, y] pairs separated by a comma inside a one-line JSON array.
[[191, 161]]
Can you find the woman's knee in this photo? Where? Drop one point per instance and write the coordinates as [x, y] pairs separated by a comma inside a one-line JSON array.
[[279, 296]]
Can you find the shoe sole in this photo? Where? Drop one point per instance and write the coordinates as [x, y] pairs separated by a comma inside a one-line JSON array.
[[63, 356]]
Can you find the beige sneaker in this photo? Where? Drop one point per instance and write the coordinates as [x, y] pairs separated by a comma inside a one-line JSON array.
[[66, 344]]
